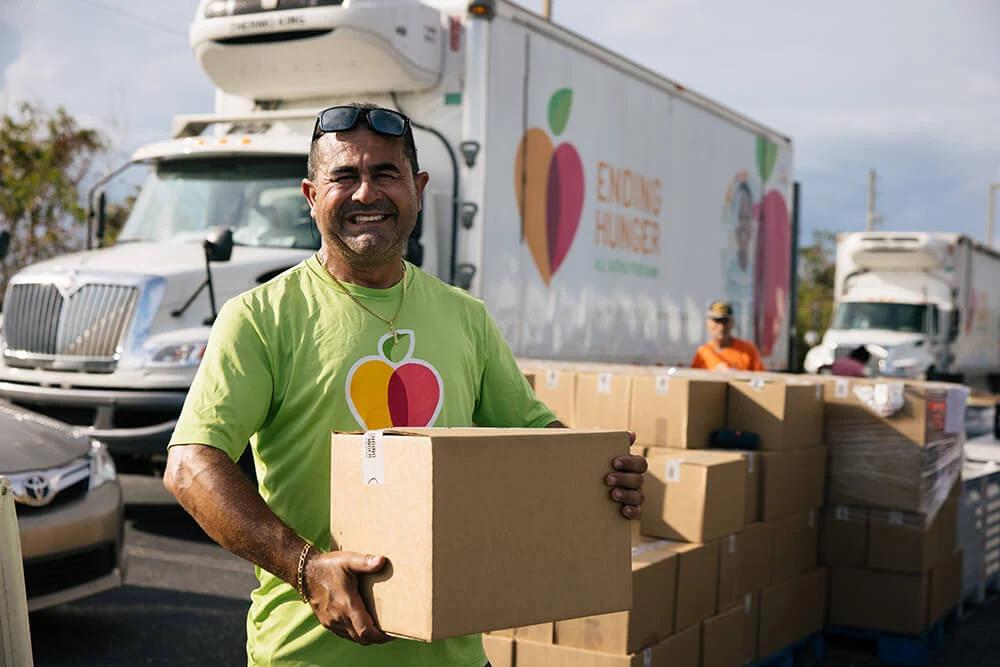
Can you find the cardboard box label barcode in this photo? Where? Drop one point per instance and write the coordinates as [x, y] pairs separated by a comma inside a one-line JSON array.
[[551, 379], [647, 657], [673, 473], [373, 462], [841, 388], [895, 518], [840, 512], [662, 385], [748, 603], [604, 383], [732, 543]]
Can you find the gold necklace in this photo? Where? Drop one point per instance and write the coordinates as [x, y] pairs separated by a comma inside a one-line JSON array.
[[391, 322]]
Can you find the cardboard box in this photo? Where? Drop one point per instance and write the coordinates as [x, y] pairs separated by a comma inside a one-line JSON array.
[[791, 481], [751, 626], [676, 411], [791, 611], [893, 445], [909, 542], [722, 639], [694, 495], [793, 546], [888, 601], [530, 377], [730, 557], [755, 552], [786, 413], [651, 618], [697, 582], [843, 536], [752, 486], [499, 650], [475, 540], [946, 586], [603, 401], [557, 389], [681, 650], [543, 633]]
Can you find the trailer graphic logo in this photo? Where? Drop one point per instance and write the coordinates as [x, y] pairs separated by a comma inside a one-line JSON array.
[[549, 183], [382, 393]]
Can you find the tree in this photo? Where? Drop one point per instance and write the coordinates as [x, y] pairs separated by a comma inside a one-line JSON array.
[[815, 288], [44, 159]]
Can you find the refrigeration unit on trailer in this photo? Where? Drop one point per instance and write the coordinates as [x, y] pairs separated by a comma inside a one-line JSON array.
[[597, 207], [927, 305]]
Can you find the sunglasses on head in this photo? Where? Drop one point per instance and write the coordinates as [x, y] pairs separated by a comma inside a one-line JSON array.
[[341, 119], [720, 320]]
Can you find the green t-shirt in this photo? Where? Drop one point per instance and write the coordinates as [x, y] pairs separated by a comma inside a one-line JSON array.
[[294, 359]]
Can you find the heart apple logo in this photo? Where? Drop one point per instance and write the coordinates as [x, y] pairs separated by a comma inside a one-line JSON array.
[[382, 393], [549, 183]]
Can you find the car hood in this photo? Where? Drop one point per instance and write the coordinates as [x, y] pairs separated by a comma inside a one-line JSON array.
[[34, 442]]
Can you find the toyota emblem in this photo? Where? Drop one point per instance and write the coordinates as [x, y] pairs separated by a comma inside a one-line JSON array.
[[37, 491]]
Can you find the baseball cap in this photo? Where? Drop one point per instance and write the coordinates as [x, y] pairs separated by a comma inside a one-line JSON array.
[[720, 310]]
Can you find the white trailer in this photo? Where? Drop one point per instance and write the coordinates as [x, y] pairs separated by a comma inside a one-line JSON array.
[[928, 304], [596, 206]]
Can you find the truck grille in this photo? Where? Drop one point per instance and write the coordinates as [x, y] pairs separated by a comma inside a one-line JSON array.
[[44, 328]]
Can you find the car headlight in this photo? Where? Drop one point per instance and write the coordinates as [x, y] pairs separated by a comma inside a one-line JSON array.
[[188, 353], [102, 467]]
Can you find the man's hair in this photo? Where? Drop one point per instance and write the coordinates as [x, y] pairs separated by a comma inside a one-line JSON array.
[[409, 146]]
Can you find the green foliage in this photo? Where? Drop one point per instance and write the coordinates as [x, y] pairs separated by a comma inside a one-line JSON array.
[[815, 288], [44, 159]]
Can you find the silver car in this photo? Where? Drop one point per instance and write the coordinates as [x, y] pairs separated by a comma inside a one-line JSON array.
[[69, 507]]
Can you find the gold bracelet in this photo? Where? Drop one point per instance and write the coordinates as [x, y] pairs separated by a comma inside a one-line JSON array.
[[300, 578]]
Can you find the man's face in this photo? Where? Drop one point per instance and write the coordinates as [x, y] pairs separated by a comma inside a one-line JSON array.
[[719, 328], [365, 197]]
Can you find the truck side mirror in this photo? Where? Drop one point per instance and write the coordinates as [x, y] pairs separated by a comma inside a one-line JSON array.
[[955, 326], [102, 216], [218, 244], [4, 244]]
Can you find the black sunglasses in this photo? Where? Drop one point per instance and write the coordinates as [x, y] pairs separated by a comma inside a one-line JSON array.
[[341, 119]]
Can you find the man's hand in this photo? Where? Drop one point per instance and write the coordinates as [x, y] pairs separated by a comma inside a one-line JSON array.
[[331, 581], [626, 482]]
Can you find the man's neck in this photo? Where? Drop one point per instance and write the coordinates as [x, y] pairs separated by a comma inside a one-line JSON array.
[[724, 342], [380, 276]]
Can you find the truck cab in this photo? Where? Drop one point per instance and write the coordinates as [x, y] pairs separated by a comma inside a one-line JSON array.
[[895, 294]]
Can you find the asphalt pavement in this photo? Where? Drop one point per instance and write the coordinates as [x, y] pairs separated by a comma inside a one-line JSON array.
[[185, 603]]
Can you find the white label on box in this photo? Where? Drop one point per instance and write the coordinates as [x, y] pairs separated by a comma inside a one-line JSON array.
[[551, 379], [881, 396], [750, 457], [748, 603], [954, 416], [647, 657], [662, 385], [840, 513], [812, 518], [819, 392], [604, 383], [895, 518], [732, 543], [673, 472], [841, 388], [372, 462], [648, 546], [757, 384]]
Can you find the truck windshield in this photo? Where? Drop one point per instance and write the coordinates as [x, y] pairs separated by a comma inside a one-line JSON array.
[[260, 198], [904, 317]]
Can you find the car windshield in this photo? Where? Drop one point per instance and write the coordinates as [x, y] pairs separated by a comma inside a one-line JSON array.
[[259, 198], [903, 317]]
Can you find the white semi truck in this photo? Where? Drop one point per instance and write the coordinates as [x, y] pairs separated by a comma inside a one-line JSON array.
[[927, 304], [596, 206]]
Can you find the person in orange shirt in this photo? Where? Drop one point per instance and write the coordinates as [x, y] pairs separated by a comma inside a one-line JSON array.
[[725, 351]]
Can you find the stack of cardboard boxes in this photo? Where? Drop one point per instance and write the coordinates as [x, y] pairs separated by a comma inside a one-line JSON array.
[[725, 558], [889, 530]]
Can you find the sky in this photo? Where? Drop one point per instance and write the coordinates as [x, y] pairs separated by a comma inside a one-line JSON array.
[[910, 88]]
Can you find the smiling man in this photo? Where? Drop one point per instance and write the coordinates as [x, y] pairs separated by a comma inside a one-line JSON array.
[[287, 364]]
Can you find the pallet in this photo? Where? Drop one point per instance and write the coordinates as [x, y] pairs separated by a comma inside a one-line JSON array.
[[897, 649], [803, 652]]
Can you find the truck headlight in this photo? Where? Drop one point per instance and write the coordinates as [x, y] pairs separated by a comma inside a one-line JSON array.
[[175, 354], [102, 467]]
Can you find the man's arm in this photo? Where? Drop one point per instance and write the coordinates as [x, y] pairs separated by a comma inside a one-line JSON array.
[[221, 499]]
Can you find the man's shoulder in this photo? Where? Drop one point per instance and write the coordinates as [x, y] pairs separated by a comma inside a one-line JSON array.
[[267, 296], [745, 345], [448, 294]]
